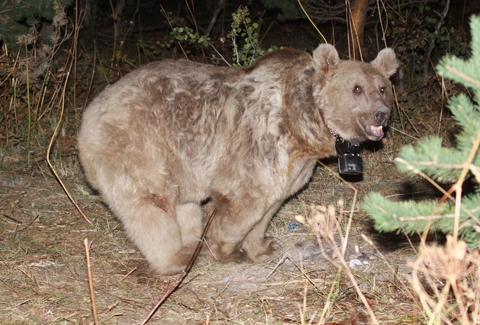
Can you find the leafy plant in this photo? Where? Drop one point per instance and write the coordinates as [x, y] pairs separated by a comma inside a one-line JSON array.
[[190, 35], [244, 36], [242, 26]]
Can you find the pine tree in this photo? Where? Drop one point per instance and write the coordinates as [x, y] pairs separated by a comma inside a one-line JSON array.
[[20, 17], [458, 215]]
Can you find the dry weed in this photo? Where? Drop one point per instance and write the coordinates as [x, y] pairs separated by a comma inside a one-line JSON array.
[[445, 279], [447, 282], [323, 221]]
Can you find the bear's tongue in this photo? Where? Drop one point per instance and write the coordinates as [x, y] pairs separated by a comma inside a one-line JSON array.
[[374, 130]]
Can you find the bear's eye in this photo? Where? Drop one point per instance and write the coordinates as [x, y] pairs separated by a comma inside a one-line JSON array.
[[382, 90], [357, 89]]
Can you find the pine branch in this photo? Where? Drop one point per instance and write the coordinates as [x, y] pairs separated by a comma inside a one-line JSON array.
[[439, 164]]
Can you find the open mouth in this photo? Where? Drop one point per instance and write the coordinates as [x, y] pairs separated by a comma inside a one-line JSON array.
[[374, 126], [373, 132], [376, 131]]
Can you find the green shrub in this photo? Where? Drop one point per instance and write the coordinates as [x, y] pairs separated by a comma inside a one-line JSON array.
[[243, 36]]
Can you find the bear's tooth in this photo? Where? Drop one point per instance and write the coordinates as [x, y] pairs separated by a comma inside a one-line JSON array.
[[376, 130]]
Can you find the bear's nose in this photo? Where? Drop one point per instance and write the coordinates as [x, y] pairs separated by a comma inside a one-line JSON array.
[[382, 115]]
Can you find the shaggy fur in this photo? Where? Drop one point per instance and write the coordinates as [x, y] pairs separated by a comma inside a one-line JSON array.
[[173, 134]]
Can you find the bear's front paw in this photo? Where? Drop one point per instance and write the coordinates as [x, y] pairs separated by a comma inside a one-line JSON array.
[[263, 250], [172, 265]]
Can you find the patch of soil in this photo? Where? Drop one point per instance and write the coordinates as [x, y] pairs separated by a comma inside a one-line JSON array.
[[43, 269]]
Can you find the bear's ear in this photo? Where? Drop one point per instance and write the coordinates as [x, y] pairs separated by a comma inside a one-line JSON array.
[[386, 62], [325, 56]]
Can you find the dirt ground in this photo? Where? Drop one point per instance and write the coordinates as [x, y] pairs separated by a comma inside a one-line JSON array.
[[43, 266]]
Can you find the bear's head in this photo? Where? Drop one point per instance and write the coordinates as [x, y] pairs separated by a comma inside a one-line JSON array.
[[355, 98]]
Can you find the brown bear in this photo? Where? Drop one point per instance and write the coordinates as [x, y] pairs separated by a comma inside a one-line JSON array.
[[172, 135]]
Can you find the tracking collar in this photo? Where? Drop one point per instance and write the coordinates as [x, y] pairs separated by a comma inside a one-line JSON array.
[[349, 160]]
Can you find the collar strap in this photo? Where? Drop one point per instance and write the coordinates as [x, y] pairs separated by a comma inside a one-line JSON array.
[[334, 133], [344, 147]]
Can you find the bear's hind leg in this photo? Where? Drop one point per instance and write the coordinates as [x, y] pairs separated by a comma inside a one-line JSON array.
[[152, 226], [190, 221]]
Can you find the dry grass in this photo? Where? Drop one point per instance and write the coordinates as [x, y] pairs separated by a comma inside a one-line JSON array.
[[44, 279], [447, 282]]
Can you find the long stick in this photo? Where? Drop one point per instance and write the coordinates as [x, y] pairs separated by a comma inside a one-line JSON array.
[[182, 275], [90, 282]]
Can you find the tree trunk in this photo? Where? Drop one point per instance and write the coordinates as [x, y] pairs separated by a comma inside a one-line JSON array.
[[357, 14]]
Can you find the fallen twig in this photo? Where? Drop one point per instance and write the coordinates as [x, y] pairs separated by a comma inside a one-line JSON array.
[[90, 282], [182, 275]]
